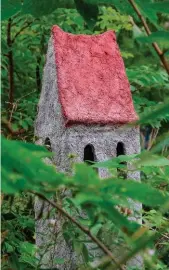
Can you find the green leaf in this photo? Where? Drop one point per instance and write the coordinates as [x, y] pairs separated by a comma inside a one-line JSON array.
[[115, 162], [118, 219], [28, 248], [159, 36], [23, 124], [147, 76], [85, 175], [162, 7], [137, 191], [147, 159], [108, 208], [85, 253], [147, 11], [162, 142], [167, 53], [161, 111], [28, 259], [23, 167], [78, 246], [9, 248], [139, 244], [95, 229]]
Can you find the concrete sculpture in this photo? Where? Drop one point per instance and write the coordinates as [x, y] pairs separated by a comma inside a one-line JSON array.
[[84, 104]]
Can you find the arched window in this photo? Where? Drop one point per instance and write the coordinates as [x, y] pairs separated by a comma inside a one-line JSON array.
[[48, 144], [89, 154], [120, 150]]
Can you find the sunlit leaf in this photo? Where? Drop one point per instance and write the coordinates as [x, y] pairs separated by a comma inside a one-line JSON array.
[[23, 166]]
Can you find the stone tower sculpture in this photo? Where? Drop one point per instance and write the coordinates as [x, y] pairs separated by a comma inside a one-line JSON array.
[[84, 104]]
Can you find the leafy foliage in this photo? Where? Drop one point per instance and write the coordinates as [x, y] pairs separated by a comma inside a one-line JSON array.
[[108, 204]]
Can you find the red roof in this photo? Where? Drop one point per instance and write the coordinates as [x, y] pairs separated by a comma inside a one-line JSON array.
[[92, 82]]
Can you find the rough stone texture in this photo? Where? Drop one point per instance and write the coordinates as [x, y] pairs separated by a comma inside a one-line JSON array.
[[72, 140], [93, 86]]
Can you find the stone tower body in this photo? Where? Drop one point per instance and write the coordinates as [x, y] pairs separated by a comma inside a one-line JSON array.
[[84, 105]]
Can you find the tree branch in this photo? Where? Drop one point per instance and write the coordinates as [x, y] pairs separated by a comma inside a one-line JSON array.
[[11, 131], [38, 78], [10, 41], [81, 227], [5, 54], [23, 28], [147, 29], [11, 65]]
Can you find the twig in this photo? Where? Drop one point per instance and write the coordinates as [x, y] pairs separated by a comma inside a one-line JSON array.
[[10, 41], [147, 29], [144, 239], [38, 78], [18, 21], [24, 96], [12, 110], [9, 127], [23, 28], [81, 227], [16, 15], [153, 136]]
